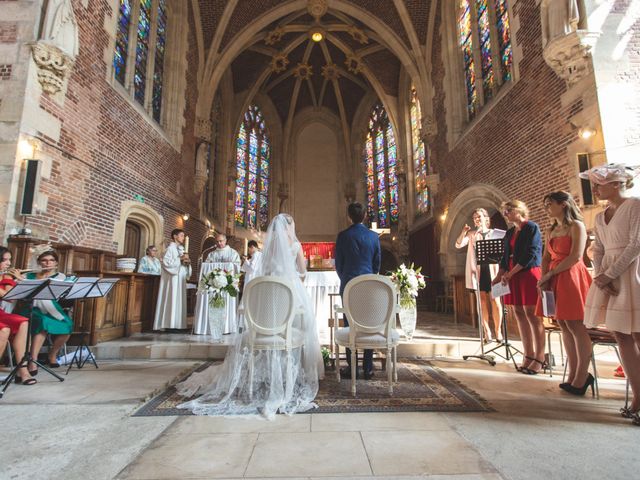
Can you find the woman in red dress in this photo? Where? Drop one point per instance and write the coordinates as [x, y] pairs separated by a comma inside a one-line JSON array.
[[12, 325], [520, 269], [565, 274]]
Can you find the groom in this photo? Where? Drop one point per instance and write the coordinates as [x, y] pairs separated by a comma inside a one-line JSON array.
[[357, 253]]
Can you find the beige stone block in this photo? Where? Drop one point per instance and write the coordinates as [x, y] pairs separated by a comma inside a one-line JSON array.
[[193, 456], [372, 422], [422, 453], [136, 352], [216, 425], [313, 453]]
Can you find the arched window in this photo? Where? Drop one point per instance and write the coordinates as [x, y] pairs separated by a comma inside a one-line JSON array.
[[420, 160], [252, 171], [380, 164], [484, 24], [138, 58]]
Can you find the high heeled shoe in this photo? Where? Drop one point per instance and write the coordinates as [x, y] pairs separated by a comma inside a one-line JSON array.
[[628, 412], [636, 419], [529, 371], [582, 390], [564, 385]]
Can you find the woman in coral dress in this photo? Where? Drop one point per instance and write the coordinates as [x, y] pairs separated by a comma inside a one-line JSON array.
[[614, 297], [565, 274]]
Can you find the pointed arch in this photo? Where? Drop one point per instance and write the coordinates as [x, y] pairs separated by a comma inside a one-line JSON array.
[[420, 156]]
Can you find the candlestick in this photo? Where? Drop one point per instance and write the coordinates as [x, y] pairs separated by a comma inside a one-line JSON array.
[[246, 247], [186, 244]]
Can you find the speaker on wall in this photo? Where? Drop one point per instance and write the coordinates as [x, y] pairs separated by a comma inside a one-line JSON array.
[[30, 187]]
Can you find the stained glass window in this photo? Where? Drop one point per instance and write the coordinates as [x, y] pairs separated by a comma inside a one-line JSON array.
[[380, 157], [485, 22], [122, 41], [252, 172], [137, 63], [420, 160], [158, 66]]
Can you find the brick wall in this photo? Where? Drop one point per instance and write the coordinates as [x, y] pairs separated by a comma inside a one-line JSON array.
[[520, 144], [107, 152]]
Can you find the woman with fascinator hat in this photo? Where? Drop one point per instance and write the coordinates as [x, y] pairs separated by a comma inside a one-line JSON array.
[[48, 315], [225, 389], [614, 296]]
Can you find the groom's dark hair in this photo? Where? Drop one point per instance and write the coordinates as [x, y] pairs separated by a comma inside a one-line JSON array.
[[356, 212]]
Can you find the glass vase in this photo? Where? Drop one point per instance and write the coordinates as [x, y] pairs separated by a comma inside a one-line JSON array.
[[408, 317], [217, 318]]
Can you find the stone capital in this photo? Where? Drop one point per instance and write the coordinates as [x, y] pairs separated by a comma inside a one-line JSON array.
[[203, 129], [53, 66], [570, 55]]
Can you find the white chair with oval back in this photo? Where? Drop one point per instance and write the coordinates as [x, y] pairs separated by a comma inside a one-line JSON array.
[[370, 304], [269, 309]]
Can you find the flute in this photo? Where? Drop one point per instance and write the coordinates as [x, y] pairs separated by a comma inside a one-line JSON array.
[[30, 270]]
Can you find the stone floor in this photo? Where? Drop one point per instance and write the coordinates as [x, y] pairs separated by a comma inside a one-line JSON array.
[[83, 427]]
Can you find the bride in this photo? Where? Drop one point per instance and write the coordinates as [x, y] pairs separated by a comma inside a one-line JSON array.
[[224, 389]]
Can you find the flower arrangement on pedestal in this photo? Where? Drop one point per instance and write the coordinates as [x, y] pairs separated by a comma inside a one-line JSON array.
[[216, 283], [408, 282]]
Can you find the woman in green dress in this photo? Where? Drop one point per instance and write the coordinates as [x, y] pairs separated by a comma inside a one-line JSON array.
[[48, 315]]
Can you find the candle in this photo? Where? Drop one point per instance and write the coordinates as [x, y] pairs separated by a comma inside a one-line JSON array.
[[246, 247], [186, 244]]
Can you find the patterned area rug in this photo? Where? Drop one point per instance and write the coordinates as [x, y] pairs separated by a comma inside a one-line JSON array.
[[421, 387]]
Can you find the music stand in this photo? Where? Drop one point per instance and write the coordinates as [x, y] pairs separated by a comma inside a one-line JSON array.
[[30, 290], [82, 289], [489, 252]]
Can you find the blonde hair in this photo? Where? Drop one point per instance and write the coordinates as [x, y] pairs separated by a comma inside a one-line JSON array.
[[518, 206], [487, 218]]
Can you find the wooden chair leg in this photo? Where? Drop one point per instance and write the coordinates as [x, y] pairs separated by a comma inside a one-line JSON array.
[[354, 370], [337, 350], [251, 375], [390, 374], [395, 363]]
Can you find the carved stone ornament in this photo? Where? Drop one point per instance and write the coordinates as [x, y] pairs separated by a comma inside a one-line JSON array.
[[358, 35], [317, 8], [201, 176], [203, 129], [53, 66], [274, 36], [570, 55], [353, 63], [428, 128], [303, 71], [330, 71], [279, 63]]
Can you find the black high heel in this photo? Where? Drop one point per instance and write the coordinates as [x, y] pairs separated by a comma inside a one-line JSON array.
[[636, 419], [564, 385], [582, 390], [529, 371], [626, 412]]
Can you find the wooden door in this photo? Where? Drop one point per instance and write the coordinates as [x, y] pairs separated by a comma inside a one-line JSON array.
[[132, 238]]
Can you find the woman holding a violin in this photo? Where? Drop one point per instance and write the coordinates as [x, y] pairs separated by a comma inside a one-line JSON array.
[[12, 325], [48, 315]]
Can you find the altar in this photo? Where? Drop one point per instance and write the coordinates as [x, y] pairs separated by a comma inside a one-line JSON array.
[[319, 284]]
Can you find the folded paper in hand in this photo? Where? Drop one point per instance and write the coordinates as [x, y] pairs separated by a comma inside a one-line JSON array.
[[548, 303], [498, 290]]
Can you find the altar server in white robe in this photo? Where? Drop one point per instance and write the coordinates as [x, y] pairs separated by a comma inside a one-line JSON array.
[[171, 308], [251, 264], [224, 253]]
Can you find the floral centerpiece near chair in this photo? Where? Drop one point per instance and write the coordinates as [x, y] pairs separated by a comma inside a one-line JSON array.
[[219, 283], [408, 281]]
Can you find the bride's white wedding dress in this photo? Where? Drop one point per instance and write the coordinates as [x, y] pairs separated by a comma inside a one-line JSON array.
[[224, 389]]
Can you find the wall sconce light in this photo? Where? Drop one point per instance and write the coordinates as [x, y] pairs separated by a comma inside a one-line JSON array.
[[443, 217], [185, 216], [586, 133]]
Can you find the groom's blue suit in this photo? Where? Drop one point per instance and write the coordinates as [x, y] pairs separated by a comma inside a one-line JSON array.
[[357, 253]]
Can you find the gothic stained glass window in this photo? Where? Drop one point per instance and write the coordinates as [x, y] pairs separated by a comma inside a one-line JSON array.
[[122, 41], [504, 38], [142, 50], [485, 22], [420, 166], [137, 62], [158, 66], [252, 172], [380, 157]]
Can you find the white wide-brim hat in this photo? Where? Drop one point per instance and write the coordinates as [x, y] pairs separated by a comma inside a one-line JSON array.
[[609, 173]]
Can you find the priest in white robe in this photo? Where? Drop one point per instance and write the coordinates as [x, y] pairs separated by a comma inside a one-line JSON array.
[[252, 264], [171, 308], [223, 252]]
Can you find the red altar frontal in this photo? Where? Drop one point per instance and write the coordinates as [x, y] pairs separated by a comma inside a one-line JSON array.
[[320, 255]]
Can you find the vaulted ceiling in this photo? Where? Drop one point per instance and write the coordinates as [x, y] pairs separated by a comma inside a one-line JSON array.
[[297, 72]]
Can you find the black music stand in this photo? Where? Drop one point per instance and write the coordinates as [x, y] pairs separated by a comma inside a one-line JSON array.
[[83, 289], [489, 252], [31, 290]]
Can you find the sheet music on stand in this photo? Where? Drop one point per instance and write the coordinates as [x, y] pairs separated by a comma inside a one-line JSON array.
[[48, 289]]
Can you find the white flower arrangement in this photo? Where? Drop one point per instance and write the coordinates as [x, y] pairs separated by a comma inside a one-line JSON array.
[[217, 282], [408, 282]]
